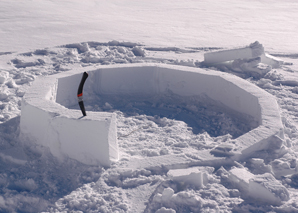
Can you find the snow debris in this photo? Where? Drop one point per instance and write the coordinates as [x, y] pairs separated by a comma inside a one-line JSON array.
[[81, 47], [184, 198], [3, 76], [252, 51], [251, 60], [263, 188], [197, 176], [165, 210], [3, 95], [282, 168], [258, 166], [138, 51]]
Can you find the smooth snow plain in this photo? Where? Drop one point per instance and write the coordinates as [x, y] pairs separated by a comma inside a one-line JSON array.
[[159, 166]]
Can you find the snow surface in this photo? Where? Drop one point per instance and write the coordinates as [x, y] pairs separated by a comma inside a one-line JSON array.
[[51, 37]]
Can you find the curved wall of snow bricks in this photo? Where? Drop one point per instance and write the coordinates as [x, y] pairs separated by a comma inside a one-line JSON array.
[[46, 120]]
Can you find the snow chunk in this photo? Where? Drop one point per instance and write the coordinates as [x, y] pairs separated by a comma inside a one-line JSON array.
[[271, 60], [267, 188], [251, 65], [3, 95], [241, 174], [165, 210], [170, 199], [197, 176], [257, 49], [281, 168], [3, 76], [81, 47], [251, 59], [263, 188], [138, 51], [252, 51], [167, 194]]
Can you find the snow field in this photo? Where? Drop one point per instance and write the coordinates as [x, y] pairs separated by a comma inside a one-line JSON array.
[[170, 32], [147, 136]]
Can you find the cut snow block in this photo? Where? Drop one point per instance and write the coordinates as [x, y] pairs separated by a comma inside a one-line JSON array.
[[197, 176], [264, 189], [252, 51], [246, 58], [90, 139]]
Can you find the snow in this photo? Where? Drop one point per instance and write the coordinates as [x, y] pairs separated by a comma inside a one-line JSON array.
[[185, 24], [197, 176], [163, 133], [250, 59], [252, 51], [263, 188]]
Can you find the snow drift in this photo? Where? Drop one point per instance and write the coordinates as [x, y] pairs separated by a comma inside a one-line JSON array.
[[46, 119]]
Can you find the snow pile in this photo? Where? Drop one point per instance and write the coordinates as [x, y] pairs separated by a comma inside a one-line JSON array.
[[251, 59]]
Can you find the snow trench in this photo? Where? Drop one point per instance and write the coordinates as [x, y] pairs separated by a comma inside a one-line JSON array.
[[155, 90]]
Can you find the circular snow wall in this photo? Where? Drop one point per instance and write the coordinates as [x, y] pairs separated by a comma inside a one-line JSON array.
[[46, 120]]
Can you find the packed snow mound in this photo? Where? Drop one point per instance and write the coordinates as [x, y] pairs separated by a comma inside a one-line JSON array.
[[65, 131]]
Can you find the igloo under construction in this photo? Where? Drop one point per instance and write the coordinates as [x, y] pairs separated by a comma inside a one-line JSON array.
[[46, 119]]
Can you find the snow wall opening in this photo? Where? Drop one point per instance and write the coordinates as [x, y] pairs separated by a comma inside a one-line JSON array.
[[139, 81]]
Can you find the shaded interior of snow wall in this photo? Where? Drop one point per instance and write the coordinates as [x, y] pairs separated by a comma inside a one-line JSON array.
[[150, 81]]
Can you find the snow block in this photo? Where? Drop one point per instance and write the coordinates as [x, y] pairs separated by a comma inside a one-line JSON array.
[[197, 176], [90, 140], [264, 189], [252, 51], [47, 119], [250, 59]]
